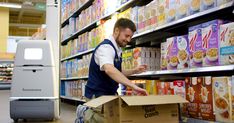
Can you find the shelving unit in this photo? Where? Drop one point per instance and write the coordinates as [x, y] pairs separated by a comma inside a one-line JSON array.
[[73, 98], [77, 55], [6, 71], [74, 78]]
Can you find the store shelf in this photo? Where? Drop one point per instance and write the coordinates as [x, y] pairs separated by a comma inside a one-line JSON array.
[[192, 120], [77, 55], [202, 70], [73, 98], [95, 23], [74, 78], [5, 85], [77, 12]]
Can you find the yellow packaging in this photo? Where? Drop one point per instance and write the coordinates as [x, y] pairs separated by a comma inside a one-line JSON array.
[[161, 12]]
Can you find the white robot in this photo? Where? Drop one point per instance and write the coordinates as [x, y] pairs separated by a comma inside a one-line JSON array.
[[34, 91]]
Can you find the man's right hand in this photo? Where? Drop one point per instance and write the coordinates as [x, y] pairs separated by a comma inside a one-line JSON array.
[[140, 91]]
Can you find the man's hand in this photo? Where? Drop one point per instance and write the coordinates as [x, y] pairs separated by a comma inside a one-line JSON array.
[[140, 91], [140, 69]]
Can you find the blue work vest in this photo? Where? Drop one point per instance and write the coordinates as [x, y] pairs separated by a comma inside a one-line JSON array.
[[99, 83]]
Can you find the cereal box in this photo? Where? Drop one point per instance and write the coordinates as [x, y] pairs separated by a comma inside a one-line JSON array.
[[183, 51], [210, 42], [168, 88], [195, 46], [153, 13], [206, 111], [208, 4], [172, 51], [194, 6], [161, 12], [192, 95], [179, 88], [232, 98], [138, 56], [227, 44], [151, 87], [182, 8], [163, 60], [221, 2], [147, 17], [170, 10], [160, 88], [141, 19], [222, 98]]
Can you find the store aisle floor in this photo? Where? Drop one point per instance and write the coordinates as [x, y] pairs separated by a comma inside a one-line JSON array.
[[67, 111]]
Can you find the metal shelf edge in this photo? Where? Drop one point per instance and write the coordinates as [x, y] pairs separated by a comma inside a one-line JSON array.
[[74, 78], [72, 98], [78, 54]]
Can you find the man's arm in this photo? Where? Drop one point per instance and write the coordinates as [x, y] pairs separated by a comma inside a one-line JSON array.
[[116, 75], [137, 70]]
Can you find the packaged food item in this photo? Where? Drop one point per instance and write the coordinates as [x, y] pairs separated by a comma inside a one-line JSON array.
[[195, 46], [227, 44], [210, 42], [222, 2], [134, 16], [183, 51], [163, 61], [160, 88], [182, 8], [161, 12], [232, 98], [151, 87], [168, 88], [138, 56], [141, 19], [153, 14], [170, 10], [206, 111], [179, 88], [172, 51], [222, 98], [192, 95], [208, 4], [194, 6]]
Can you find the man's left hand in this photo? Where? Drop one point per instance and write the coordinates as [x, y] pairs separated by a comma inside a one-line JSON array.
[[140, 69]]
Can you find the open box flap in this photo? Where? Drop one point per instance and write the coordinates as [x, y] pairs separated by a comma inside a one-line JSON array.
[[94, 103], [153, 100]]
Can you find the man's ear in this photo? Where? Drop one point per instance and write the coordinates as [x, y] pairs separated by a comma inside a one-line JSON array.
[[116, 31]]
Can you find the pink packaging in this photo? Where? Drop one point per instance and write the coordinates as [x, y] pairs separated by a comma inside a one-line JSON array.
[[195, 46], [163, 60], [183, 51], [172, 51], [210, 42]]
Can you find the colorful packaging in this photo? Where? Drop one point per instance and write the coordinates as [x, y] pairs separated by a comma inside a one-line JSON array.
[[206, 111], [192, 95], [232, 98], [183, 51], [163, 61], [182, 8], [172, 51], [153, 14], [222, 2], [194, 6], [168, 88], [210, 42], [222, 98], [208, 4], [138, 56], [160, 88], [161, 7], [179, 88], [170, 10], [151, 87], [195, 46], [227, 44], [141, 19]]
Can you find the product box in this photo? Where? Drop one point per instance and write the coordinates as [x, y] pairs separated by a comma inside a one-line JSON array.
[[192, 95], [161, 7], [153, 14], [163, 61], [222, 98], [206, 111], [194, 6], [183, 51], [227, 44], [182, 8], [172, 51], [168, 88], [232, 98], [139, 109], [170, 10], [147, 17], [141, 19], [160, 88], [138, 56], [210, 42], [151, 87], [195, 46], [222, 2], [208, 4], [179, 88]]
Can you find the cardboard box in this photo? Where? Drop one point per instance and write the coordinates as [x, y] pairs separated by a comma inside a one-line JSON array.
[[195, 46], [183, 51], [227, 44], [139, 109], [160, 88], [210, 42], [163, 61], [171, 10], [151, 87], [222, 98], [179, 88], [192, 95], [172, 51], [161, 7], [168, 88], [206, 110], [194, 6], [182, 8]]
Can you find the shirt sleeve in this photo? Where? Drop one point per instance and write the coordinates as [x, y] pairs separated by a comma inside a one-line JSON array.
[[105, 54]]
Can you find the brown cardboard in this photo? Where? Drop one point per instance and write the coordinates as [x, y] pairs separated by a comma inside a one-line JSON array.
[[139, 109]]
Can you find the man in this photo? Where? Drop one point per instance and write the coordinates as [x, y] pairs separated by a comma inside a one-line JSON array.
[[105, 68]]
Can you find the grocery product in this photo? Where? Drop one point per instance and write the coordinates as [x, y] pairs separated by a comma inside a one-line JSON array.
[[232, 98], [222, 98], [194, 6], [172, 51], [208, 4], [170, 10], [192, 95], [163, 60], [210, 42], [183, 51], [179, 88], [168, 88], [160, 88], [221, 2], [206, 111], [182, 8], [141, 19], [161, 12], [195, 46], [151, 87], [227, 44], [73, 88]]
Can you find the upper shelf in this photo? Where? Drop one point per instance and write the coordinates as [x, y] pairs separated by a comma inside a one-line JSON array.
[[74, 78], [77, 55]]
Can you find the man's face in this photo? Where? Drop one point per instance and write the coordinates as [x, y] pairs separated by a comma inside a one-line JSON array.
[[124, 36]]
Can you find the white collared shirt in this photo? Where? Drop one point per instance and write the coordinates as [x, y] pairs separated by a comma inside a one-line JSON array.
[[105, 54]]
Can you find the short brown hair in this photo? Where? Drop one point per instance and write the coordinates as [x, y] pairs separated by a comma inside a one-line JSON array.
[[125, 23]]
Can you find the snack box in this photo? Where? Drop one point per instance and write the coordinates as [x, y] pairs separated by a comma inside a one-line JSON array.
[[192, 95], [210, 42], [161, 7], [160, 88], [163, 61], [222, 98], [168, 88], [170, 10], [208, 4], [153, 14], [172, 51], [183, 51], [138, 56], [195, 46], [179, 88], [194, 6], [227, 44], [151, 87], [182, 9], [141, 19]]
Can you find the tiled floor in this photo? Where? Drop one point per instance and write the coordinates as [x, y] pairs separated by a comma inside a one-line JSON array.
[[67, 111]]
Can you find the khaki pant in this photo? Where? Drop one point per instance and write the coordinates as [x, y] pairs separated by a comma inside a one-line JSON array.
[[94, 115]]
